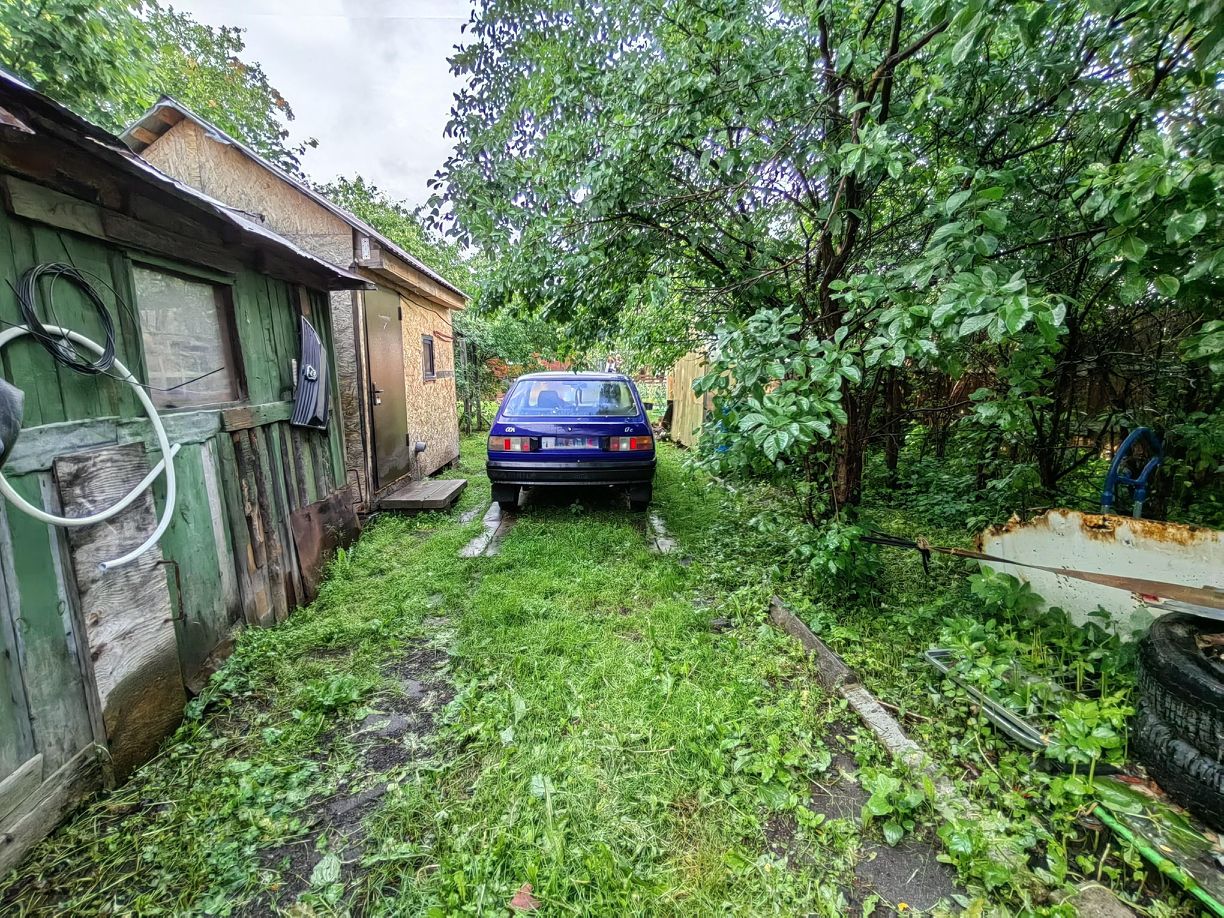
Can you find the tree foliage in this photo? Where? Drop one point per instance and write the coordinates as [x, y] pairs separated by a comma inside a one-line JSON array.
[[109, 60], [497, 343], [1001, 200], [91, 55], [401, 225], [202, 66]]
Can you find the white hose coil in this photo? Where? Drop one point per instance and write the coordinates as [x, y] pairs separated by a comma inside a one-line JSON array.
[[166, 463]]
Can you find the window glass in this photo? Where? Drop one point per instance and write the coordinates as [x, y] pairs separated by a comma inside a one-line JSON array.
[[571, 398], [427, 356], [186, 331]]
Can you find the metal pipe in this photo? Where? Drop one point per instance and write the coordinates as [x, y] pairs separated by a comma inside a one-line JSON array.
[[1162, 863], [167, 461]]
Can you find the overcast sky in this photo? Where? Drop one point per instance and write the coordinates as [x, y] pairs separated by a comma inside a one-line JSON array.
[[367, 78]]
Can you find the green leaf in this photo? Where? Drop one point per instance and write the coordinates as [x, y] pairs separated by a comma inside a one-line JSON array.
[[1133, 248], [877, 805], [325, 872], [994, 220], [1185, 226], [975, 324], [955, 201], [1167, 284], [893, 833], [1202, 189], [943, 312], [772, 445], [961, 49]]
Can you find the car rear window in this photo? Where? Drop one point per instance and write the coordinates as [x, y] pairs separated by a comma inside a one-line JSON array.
[[570, 398]]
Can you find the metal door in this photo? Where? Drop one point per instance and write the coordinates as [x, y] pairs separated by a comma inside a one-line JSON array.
[[387, 400]]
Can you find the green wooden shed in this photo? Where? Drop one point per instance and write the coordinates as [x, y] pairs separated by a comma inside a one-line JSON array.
[[208, 308]]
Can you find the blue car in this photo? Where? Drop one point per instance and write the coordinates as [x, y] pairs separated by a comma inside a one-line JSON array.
[[566, 429]]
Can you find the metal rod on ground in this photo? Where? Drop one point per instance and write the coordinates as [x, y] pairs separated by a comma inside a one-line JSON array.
[[1208, 596]]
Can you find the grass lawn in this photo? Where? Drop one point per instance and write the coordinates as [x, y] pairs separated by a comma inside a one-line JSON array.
[[593, 736], [620, 729]]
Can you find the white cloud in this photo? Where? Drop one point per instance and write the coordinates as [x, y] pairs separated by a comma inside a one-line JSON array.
[[367, 78]]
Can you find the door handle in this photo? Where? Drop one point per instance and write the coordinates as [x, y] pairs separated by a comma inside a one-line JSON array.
[[377, 392]]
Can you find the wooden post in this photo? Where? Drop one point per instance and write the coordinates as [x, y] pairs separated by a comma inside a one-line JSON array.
[[480, 425]]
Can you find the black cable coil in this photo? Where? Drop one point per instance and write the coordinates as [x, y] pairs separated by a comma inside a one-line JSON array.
[[58, 346]]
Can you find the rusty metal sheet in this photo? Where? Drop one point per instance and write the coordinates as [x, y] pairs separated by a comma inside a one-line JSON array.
[[1126, 558], [318, 530]]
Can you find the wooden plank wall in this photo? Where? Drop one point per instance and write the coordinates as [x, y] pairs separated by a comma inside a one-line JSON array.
[[128, 627], [688, 408], [241, 473]]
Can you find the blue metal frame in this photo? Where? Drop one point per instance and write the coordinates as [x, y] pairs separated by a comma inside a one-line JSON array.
[[1140, 484]]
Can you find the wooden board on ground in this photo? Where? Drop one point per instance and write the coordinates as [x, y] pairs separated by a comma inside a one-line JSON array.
[[126, 610], [38, 813], [318, 530], [430, 494]]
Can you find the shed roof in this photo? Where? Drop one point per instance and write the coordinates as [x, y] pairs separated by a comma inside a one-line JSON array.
[[24, 109], [168, 111]]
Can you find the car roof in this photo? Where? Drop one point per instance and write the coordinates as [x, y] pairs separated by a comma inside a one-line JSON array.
[[573, 374]]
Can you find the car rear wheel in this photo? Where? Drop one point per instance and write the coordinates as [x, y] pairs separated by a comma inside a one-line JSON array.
[[639, 498], [507, 497]]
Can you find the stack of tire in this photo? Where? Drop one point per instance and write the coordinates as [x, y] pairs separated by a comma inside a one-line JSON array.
[[1178, 731]]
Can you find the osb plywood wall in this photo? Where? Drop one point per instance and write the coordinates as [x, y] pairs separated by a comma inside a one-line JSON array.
[[688, 408], [218, 169], [433, 415]]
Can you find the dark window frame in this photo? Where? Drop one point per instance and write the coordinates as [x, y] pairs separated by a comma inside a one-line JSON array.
[[223, 294], [429, 357]]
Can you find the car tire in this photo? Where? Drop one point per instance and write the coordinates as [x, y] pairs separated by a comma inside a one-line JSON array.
[[1188, 720], [508, 506], [1190, 777], [1180, 684], [640, 497]]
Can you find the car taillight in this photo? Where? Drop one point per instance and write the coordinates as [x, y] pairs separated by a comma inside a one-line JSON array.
[[509, 444], [624, 444]]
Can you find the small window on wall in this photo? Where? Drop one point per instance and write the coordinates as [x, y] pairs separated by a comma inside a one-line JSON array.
[[427, 356], [188, 340]]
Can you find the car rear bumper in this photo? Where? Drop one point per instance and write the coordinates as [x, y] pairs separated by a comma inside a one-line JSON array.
[[570, 473]]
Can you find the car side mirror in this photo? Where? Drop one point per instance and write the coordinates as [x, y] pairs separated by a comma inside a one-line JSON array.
[[648, 406]]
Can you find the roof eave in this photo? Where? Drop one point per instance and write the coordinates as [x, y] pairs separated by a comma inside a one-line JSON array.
[[155, 124]]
